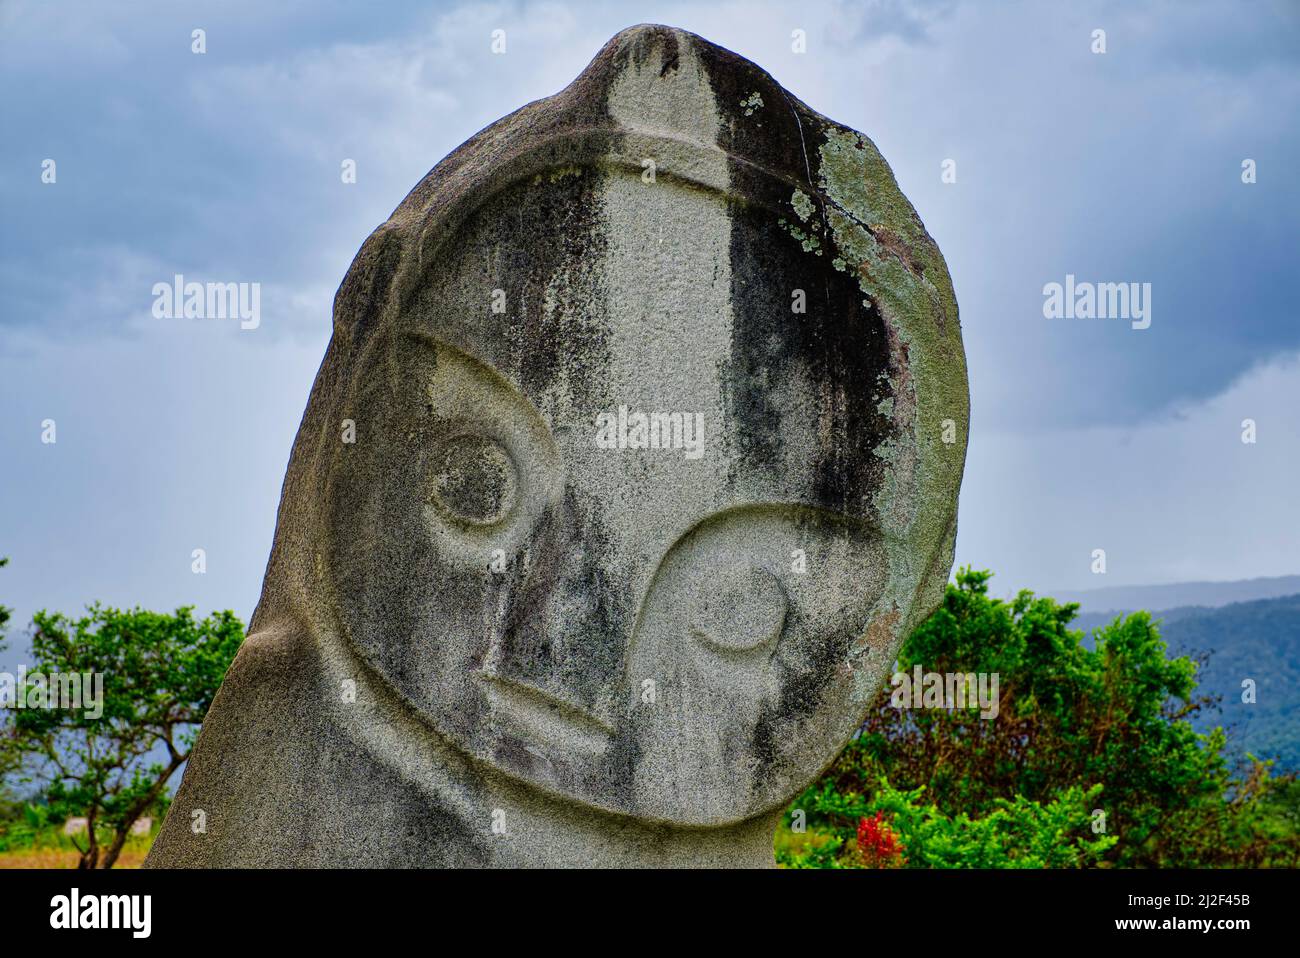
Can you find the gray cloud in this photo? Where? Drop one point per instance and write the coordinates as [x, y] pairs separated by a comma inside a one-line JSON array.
[[226, 167]]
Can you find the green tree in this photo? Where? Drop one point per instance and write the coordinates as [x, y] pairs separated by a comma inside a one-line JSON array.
[[159, 675], [4, 613], [1091, 748], [8, 804]]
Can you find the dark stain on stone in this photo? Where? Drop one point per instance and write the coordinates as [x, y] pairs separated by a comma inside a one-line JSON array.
[[567, 624], [839, 343], [538, 242], [641, 45], [802, 685]]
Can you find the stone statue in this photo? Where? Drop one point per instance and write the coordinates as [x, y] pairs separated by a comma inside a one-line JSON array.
[[633, 458]]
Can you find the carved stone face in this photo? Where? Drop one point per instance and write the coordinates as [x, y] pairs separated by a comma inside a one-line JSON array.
[[633, 458], [636, 509]]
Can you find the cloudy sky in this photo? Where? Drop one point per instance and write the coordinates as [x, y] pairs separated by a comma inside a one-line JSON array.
[[1117, 167]]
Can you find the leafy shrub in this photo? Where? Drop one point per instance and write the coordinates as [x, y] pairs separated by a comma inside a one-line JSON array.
[[1091, 760]]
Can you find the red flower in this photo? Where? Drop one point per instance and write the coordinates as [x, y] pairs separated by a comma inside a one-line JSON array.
[[878, 844]]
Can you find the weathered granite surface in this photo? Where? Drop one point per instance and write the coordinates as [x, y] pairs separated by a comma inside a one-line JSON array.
[[487, 637]]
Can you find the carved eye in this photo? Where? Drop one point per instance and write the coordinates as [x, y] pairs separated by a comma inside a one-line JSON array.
[[474, 481], [739, 610]]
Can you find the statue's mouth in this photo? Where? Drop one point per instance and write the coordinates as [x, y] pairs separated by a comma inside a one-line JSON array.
[[543, 717]]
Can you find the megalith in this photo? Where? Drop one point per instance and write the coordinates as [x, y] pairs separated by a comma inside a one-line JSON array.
[[633, 458]]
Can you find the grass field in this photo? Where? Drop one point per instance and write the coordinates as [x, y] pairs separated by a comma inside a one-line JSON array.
[[58, 858], [48, 847]]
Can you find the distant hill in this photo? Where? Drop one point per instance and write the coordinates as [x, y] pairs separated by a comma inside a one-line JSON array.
[[1154, 598], [1257, 640]]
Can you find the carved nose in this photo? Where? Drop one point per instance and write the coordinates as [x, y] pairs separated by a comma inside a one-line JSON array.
[[549, 676], [567, 622]]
